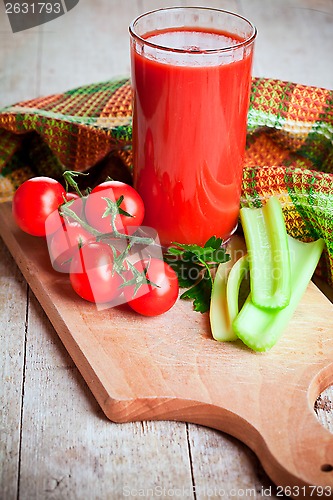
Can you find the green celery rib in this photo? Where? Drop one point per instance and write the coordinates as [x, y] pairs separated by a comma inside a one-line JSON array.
[[266, 240], [260, 328], [220, 324], [235, 278]]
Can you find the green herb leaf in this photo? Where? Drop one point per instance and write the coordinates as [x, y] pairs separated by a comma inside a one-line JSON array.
[[188, 271], [200, 293], [193, 265], [213, 242]]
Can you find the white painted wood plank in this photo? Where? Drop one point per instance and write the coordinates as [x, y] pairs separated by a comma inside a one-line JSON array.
[[19, 53], [13, 295], [224, 468], [76, 52], [86, 45], [70, 450], [295, 40]]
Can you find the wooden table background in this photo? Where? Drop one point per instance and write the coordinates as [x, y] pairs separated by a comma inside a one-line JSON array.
[[55, 441]]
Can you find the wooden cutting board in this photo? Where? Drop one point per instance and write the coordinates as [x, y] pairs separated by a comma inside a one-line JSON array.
[[169, 368]]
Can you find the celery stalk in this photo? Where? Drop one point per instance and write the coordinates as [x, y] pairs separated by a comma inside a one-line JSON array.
[[266, 240], [235, 278], [220, 321], [220, 324], [260, 328]]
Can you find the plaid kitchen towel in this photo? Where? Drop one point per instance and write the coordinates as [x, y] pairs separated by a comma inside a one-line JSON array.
[[289, 147]]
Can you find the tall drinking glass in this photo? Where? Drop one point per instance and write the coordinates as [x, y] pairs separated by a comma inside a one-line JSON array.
[[191, 77]]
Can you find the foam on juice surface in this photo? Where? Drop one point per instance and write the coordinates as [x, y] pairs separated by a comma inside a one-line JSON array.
[[191, 47], [191, 40]]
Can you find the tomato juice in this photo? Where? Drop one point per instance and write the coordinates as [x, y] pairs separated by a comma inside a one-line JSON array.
[[189, 130]]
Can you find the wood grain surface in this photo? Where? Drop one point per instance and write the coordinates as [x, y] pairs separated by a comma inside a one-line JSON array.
[[55, 441], [169, 368]]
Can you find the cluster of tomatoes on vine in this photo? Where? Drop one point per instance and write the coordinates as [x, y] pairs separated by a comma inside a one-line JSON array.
[[98, 239]]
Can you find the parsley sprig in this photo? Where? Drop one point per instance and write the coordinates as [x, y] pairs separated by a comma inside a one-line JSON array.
[[195, 266]]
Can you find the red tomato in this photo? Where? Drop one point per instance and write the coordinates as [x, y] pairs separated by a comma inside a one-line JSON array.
[[92, 275], [55, 220], [34, 201], [65, 242], [132, 203], [159, 295]]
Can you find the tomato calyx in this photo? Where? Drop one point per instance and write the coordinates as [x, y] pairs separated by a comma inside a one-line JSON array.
[[139, 279], [158, 291], [120, 263], [114, 208]]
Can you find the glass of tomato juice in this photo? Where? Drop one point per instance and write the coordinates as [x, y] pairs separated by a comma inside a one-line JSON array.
[[191, 78]]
